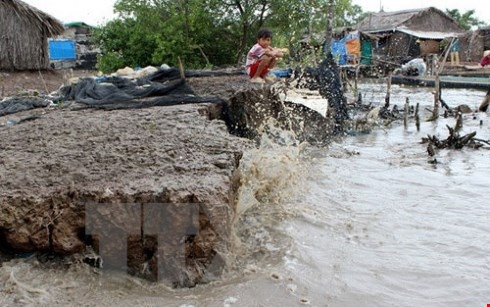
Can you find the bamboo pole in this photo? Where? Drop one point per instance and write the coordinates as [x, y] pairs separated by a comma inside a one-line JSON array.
[[448, 50]]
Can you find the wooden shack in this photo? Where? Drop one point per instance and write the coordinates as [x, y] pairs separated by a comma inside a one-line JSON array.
[[24, 36], [409, 33]]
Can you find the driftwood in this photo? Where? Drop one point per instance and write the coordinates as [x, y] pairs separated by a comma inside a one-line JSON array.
[[453, 141]]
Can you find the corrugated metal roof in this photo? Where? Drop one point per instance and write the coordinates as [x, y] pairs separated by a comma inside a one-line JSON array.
[[429, 34]]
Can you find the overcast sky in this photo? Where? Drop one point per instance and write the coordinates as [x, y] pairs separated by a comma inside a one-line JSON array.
[[395, 5], [93, 12], [97, 12]]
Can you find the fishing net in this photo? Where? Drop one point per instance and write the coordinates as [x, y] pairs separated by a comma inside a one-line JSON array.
[[163, 88], [18, 104]]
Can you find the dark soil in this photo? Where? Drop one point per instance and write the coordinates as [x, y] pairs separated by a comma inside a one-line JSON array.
[[12, 83], [45, 82]]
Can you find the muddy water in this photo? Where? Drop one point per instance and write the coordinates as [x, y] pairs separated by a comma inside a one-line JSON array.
[[364, 222]]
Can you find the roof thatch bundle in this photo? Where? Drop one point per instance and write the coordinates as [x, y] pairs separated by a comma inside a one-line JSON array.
[[24, 36]]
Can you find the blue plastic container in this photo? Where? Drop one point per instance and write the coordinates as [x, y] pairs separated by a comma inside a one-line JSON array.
[[281, 73], [62, 50]]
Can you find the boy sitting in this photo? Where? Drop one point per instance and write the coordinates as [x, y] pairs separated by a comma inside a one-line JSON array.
[[262, 57]]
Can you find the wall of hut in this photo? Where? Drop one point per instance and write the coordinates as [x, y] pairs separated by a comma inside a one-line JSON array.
[[397, 48], [429, 46], [486, 37], [473, 44], [23, 46]]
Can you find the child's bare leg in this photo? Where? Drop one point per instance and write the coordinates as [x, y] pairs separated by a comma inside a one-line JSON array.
[[273, 63], [263, 64]]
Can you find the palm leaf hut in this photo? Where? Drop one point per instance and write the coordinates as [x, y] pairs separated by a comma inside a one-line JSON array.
[[24, 36]]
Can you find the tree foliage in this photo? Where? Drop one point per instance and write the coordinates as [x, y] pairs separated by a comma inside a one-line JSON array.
[[154, 32], [465, 20], [203, 33]]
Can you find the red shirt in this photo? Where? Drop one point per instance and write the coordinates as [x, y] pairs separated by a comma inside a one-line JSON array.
[[485, 61]]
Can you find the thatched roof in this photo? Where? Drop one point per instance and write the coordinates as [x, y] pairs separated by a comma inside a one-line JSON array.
[[407, 19], [24, 36], [52, 26]]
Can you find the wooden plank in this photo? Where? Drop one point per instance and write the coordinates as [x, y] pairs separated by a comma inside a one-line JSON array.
[[445, 81]]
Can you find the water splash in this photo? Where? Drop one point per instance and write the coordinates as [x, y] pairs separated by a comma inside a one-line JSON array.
[[269, 174]]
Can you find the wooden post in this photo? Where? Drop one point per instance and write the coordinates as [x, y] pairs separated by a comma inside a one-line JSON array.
[[181, 69], [356, 80], [459, 121], [388, 91], [417, 117], [438, 69], [405, 116], [435, 112], [44, 82]]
